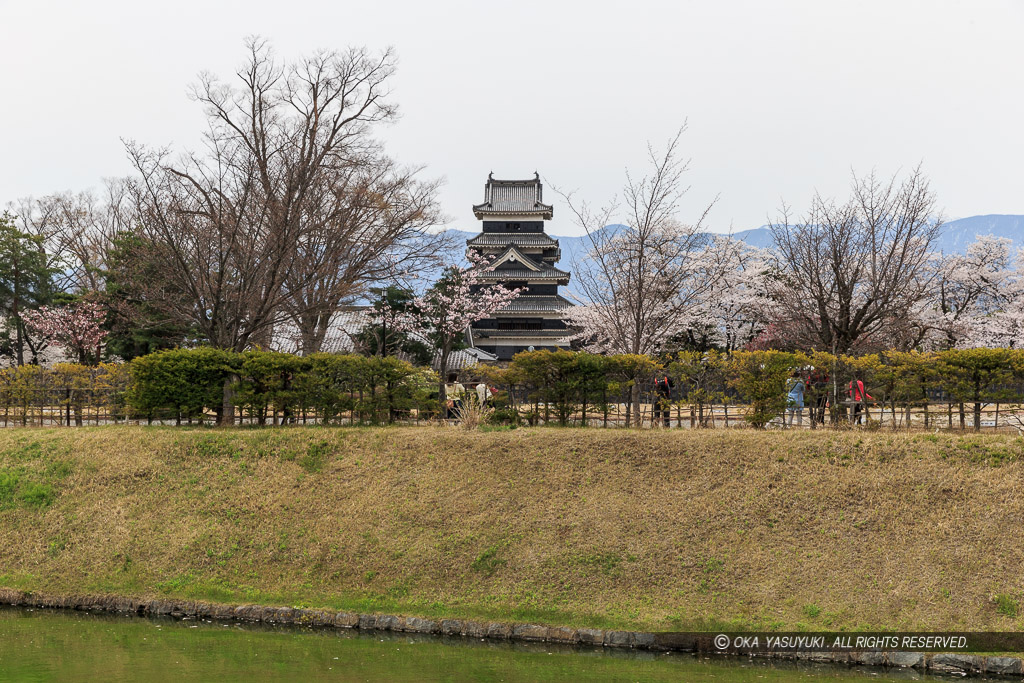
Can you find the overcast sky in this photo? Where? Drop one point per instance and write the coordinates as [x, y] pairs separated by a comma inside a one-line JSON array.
[[782, 98]]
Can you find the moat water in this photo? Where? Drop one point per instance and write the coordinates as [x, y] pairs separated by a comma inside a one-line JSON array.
[[57, 645]]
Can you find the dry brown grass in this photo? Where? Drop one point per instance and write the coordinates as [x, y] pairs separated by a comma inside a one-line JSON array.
[[670, 530]]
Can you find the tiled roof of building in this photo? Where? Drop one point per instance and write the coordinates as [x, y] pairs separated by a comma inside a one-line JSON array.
[[466, 358], [513, 254], [346, 325], [536, 303], [548, 272], [501, 239], [518, 197]]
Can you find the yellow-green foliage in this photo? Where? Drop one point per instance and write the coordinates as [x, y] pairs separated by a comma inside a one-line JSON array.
[[68, 387], [192, 383]]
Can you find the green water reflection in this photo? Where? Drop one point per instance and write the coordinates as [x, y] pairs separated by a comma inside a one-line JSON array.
[[45, 645]]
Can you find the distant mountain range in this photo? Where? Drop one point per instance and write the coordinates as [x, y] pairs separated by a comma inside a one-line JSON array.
[[954, 238]]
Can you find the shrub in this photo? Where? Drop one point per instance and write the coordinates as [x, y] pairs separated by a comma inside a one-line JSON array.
[[181, 382], [269, 385], [760, 377], [504, 416]]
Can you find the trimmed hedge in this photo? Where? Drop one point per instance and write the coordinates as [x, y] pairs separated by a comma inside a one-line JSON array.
[[538, 386], [567, 383], [273, 387], [64, 393]]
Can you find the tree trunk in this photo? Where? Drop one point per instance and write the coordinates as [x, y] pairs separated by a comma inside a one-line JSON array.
[[226, 416], [442, 395], [19, 344], [311, 333], [635, 395]]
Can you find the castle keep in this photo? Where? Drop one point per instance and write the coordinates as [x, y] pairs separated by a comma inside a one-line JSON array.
[[523, 256]]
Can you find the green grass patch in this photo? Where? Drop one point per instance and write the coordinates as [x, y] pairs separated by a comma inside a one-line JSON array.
[[316, 454], [606, 564], [490, 560], [1007, 605], [20, 489]]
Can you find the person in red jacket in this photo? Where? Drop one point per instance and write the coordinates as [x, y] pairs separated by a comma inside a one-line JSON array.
[[857, 393]]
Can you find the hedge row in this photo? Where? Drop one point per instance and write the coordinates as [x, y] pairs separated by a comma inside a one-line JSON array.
[[272, 387], [194, 384], [570, 387], [64, 393], [570, 384]]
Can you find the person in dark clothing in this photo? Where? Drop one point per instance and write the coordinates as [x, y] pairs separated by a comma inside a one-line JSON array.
[[663, 400], [818, 385]]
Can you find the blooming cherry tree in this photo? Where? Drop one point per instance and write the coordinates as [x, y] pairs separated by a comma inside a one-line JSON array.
[[446, 310], [77, 328], [970, 287], [740, 306], [1003, 325]]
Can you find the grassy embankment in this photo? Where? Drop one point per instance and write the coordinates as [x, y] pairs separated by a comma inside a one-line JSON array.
[[673, 531]]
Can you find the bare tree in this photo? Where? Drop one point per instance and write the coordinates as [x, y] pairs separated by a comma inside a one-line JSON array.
[[852, 272], [78, 230], [374, 228], [231, 223], [640, 283], [235, 221]]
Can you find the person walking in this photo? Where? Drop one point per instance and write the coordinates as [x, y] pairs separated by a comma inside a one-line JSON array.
[[857, 394], [483, 394], [795, 399], [662, 401], [455, 393], [817, 383]]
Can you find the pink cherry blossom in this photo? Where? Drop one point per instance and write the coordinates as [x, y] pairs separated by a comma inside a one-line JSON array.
[[77, 328]]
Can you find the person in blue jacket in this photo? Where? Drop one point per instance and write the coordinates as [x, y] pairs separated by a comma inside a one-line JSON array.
[[795, 399]]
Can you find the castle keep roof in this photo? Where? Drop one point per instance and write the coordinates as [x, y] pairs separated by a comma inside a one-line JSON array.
[[513, 197], [520, 239], [512, 264]]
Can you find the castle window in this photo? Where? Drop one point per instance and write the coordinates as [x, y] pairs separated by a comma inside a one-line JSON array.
[[520, 324]]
